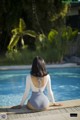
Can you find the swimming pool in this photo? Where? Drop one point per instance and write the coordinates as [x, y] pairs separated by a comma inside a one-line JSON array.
[[65, 84]]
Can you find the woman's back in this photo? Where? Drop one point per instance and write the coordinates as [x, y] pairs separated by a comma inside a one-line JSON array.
[[35, 81], [38, 83]]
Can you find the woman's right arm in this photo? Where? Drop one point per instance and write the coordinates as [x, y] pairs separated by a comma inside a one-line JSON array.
[[49, 89], [51, 94]]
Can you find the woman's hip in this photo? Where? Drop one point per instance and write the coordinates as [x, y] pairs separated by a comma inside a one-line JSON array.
[[31, 107], [38, 101]]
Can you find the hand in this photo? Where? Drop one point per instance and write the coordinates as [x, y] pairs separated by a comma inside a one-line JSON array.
[[57, 104], [16, 107]]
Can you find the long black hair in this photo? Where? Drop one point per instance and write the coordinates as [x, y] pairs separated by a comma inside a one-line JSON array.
[[38, 67]]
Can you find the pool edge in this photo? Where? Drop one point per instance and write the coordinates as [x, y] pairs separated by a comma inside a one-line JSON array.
[[48, 66]]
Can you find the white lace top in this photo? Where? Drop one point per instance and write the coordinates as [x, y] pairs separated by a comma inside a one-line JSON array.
[[30, 85]]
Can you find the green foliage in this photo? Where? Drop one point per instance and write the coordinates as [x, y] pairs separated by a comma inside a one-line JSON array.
[[18, 34], [41, 42], [66, 33], [38, 14], [30, 33], [74, 33], [14, 40], [61, 13], [52, 34], [25, 56], [41, 37], [52, 47], [14, 55], [64, 10], [60, 40], [22, 25], [53, 10]]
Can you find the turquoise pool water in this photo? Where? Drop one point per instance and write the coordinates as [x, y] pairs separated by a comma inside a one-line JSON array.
[[65, 84]]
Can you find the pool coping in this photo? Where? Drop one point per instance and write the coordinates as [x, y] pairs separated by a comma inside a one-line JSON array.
[[65, 104], [69, 104], [47, 66]]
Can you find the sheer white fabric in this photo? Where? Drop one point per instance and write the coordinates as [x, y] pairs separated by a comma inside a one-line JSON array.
[[30, 85]]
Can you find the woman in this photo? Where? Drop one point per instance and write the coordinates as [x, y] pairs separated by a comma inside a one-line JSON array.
[[37, 81]]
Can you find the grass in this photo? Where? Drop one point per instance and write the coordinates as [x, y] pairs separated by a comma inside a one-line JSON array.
[[25, 57]]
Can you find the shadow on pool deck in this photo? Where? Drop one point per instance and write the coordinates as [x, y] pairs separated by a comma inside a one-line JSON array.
[[66, 104], [9, 110]]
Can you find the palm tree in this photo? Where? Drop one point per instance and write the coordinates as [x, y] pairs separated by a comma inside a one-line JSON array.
[[18, 34]]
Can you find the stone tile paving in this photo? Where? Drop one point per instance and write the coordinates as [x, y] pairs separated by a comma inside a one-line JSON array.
[[54, 113]]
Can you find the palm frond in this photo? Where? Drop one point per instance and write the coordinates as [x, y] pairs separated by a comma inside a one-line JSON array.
[[41, 37], [30, 33], [15, 31], [22, 25], [52, 34], [14, 40], [22, 42]]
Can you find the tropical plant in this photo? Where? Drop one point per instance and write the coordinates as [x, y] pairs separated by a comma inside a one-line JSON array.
[[60, 40], [18, 33], [37, 13], [52, 34]]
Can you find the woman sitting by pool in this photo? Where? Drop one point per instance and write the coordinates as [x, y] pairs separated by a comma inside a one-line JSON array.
[[37, 81]]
